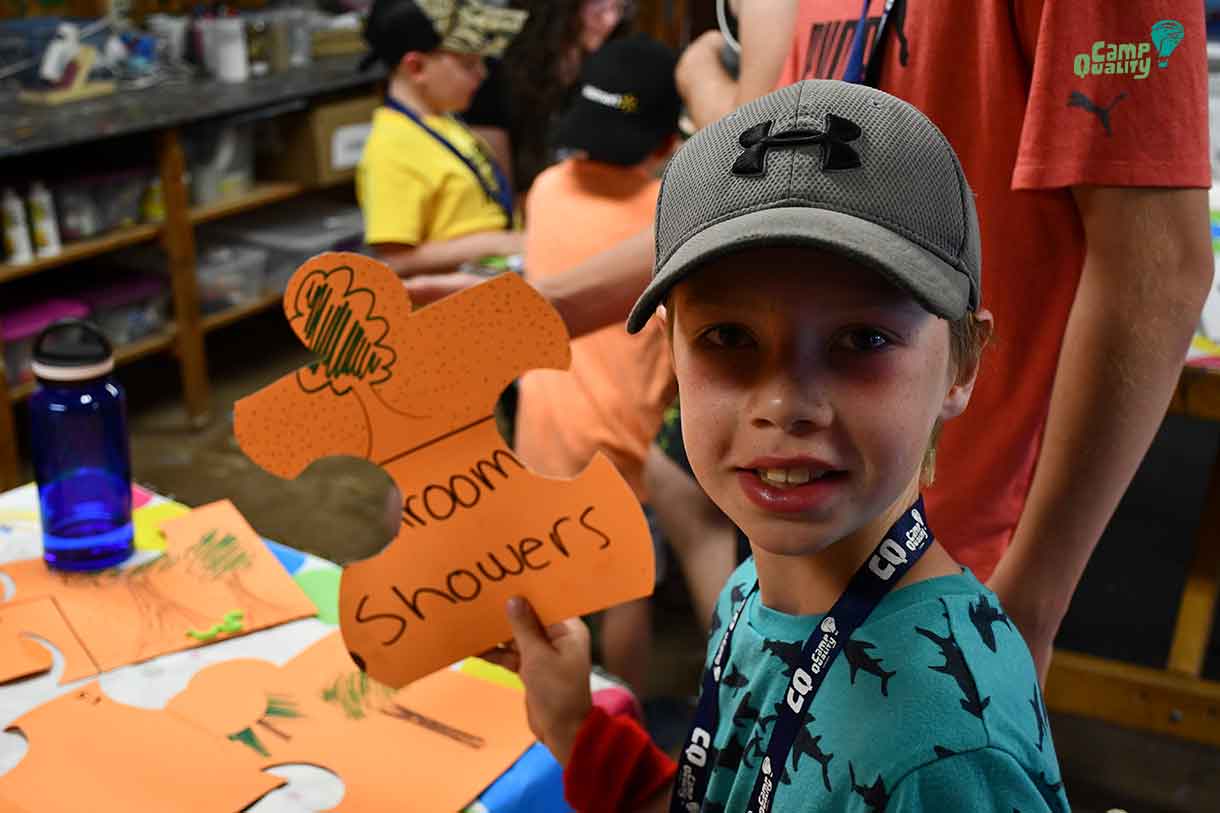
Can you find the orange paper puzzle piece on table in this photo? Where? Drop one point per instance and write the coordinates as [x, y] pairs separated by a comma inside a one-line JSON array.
[[414, 394], [87, 752], [214, 565], [21, 657], [435, 745]]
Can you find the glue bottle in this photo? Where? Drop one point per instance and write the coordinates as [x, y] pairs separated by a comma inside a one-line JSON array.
[[80, 450], [16, 230], [42, 219]]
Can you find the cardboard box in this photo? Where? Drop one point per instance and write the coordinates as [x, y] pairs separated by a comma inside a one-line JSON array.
[[322, 145]]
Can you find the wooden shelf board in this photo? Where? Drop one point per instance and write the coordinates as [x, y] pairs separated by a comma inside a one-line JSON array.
[[262, 194], [227, 317], [156, 343], [83, 249]]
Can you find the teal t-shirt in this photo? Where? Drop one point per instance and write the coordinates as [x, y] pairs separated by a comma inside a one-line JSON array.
[[933, 705]]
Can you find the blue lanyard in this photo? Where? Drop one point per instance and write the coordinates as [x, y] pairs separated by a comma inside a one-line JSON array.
[[502, 194], [901, 548], [857, 71]]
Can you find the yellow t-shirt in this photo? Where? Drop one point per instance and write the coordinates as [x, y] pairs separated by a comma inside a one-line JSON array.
[[412, 189]]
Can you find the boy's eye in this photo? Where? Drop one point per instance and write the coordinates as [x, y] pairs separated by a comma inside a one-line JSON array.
[[728, 336], [864, 340]]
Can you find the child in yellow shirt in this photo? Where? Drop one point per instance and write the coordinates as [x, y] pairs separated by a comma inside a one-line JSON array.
[[432, 195]]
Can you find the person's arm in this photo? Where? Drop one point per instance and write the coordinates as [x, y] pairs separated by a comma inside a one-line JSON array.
[[446, 255], [594, 294], [1147, 270], [764, 30], [610, 763]]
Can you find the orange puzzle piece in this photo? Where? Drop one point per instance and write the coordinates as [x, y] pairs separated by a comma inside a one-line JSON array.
[[414, 393], [87, 752], [21, 658], [214, 564], [435, 745]]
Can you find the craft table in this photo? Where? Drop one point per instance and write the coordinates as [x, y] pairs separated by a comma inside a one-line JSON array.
[[533, 783]]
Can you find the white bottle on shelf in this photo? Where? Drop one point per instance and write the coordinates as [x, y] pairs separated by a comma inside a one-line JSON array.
[[16, 230], [42, 220]]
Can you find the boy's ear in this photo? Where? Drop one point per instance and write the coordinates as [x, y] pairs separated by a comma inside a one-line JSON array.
[[413, 62], [959, 393]]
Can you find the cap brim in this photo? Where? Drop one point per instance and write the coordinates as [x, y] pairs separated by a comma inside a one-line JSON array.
[[607, 134], [934, 283]]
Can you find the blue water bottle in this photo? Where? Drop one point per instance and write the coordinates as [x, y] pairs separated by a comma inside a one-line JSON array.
[[78, 421]]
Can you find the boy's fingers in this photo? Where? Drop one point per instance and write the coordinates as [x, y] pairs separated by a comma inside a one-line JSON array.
[[527, 629]]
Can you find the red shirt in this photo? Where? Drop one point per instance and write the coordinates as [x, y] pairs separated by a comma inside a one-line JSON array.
[[1001, 80]]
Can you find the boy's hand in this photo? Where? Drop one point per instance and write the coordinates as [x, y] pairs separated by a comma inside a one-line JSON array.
[[428, 288], [554, 664]]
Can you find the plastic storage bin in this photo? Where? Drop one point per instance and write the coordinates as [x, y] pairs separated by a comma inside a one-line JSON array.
[[294, 232], [229, 275], [94, 205], [220, 158], [19, 327], [128, 307]]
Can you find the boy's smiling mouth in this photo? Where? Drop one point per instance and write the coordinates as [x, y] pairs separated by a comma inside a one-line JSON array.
[[789, 485]]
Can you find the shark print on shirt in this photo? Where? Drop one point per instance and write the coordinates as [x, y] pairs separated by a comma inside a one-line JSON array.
[[859, 660], [956, 668], [983, 616]]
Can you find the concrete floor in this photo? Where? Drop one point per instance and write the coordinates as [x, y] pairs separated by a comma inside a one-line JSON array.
[[337, 509]]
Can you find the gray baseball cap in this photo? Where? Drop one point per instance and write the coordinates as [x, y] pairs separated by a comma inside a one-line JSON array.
[[841, 167]]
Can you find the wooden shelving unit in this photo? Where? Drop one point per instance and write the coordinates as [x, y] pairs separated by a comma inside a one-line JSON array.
[[184, 337], [83, 250], [224, 318], [263, 194]]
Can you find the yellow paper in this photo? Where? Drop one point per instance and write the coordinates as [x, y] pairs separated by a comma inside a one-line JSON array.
[[147, 521]]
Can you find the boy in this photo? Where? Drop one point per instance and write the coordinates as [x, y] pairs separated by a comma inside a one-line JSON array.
[[611, 397], [817, 251], [432, 195]]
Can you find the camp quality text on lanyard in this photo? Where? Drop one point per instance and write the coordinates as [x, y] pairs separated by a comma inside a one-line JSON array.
[[901, 548], [503, 195]]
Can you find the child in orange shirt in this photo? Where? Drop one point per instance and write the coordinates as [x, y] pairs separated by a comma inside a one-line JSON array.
[[621, 131]]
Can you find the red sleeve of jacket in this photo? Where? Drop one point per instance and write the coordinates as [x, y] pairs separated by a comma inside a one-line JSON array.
[[614, 765]]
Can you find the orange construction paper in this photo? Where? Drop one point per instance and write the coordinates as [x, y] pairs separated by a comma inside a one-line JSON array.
[[214, 563], [414, 393], [319, 710], [87, 752], [21, 657]]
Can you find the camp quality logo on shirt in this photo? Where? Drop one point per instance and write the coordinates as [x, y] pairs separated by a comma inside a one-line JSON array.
[[1131, 58], [627, 102]]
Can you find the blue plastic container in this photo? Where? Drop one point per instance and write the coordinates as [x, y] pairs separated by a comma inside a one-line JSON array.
[[78, 422]]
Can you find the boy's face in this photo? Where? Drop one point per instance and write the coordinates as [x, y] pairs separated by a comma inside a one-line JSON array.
[[809, 390], [448, 80]]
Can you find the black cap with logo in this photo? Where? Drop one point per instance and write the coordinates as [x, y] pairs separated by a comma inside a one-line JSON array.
[[626, 102]]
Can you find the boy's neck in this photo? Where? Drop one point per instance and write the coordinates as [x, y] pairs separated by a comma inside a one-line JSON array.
[[403, 91], [810, 585]]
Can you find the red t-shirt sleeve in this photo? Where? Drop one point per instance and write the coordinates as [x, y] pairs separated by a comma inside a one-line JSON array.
[[614, 766], [1091, 118]]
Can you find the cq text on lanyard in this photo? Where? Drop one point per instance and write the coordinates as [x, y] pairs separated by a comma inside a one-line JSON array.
[[502, 194], [901, 548]]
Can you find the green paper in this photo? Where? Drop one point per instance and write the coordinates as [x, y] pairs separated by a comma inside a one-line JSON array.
[[322, 587]]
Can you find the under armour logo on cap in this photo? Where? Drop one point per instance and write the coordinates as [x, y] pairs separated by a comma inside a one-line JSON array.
[[836, 154]]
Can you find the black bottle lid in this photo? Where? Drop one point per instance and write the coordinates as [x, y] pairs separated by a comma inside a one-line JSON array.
[[72, 350]]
